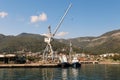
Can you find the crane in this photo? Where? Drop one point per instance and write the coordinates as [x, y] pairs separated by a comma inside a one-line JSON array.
[[50, 35]]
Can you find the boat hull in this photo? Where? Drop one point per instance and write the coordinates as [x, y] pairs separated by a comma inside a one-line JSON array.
[[64, 65], [76, 65]]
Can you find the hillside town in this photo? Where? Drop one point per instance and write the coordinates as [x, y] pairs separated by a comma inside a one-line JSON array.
[[22, 57]]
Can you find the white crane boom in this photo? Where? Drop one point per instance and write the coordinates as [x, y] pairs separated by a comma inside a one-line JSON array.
[[59, 24]]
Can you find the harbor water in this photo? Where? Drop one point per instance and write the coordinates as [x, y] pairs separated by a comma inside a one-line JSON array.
[[86, 72]]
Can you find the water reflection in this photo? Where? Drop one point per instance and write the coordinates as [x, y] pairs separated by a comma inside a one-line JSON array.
[[75, 72], [47, 74], [86, 72], [64, 74]]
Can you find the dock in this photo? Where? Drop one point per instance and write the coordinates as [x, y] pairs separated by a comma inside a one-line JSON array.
[[40, 65], [28, 65], [89, 62]]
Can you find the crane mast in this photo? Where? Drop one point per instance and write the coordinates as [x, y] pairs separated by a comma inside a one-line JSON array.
[[50, 36]]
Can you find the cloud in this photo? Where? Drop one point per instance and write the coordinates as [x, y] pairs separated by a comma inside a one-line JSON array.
[[44, 34], [3, 14], [60, 34], [41, 17]]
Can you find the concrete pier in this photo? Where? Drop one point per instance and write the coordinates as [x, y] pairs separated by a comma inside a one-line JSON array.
[[28, 65], [40, 65], [89, 62]]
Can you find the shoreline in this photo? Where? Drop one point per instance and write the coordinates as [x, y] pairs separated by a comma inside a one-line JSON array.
[[39, 65], [109, 62], [33, 65]]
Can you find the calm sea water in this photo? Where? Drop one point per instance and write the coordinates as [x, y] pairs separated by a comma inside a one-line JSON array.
[[86, 72]]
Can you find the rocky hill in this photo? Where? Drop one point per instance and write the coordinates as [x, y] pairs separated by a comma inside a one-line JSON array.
[[106, 43], [25, 41]]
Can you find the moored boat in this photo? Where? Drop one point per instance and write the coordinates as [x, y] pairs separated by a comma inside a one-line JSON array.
[[63, 61], [75, 63]]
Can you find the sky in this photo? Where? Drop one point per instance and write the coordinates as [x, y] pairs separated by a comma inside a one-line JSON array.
[[85, 17]]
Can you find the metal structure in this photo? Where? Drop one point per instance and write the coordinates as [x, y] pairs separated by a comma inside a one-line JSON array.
[[70, 52], [50, 35]]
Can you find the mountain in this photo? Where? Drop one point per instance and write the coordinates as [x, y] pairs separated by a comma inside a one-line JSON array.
[[24, 41], [108, 42]]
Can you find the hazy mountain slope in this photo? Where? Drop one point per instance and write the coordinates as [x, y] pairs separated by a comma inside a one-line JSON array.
[[108, 42], [24, 41]]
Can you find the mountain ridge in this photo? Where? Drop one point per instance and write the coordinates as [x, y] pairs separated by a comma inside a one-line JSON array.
[[108, 42]]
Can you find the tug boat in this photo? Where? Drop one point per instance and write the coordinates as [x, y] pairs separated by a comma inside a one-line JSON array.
[[75, 63], [63, 61]]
